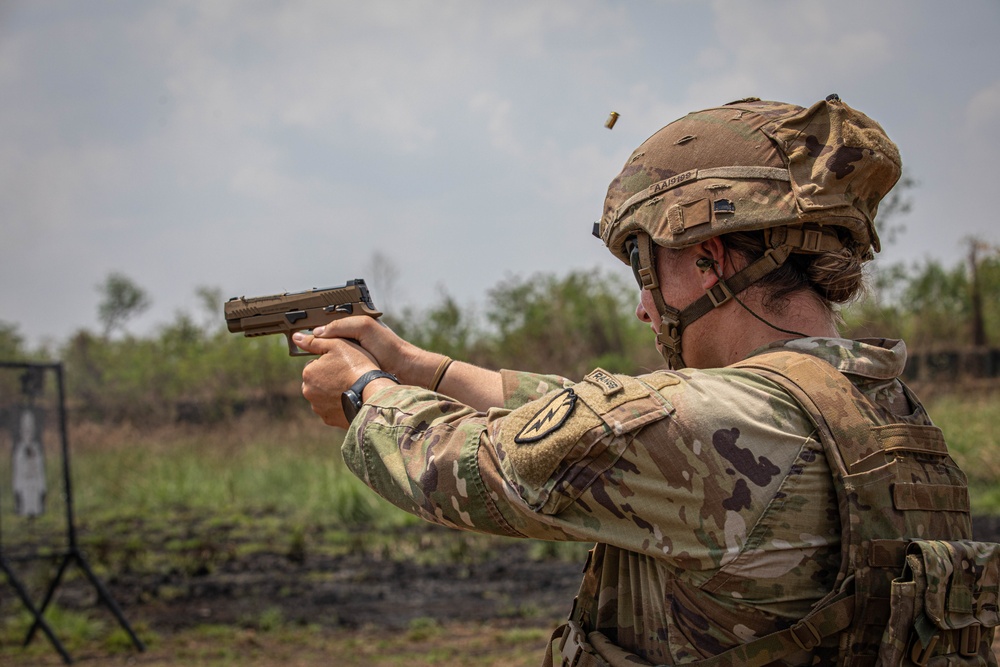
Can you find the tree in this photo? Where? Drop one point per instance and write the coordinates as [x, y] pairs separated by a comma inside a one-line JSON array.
[[936, 300], [11, 343], [976, 248], [570, 325], [122, 300], [897, 203], [444, 328], [211, 301]]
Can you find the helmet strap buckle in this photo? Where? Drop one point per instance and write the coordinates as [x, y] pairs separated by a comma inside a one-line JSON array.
[[719, 293], [669, 338], [812, 240], [647, 262], [647, 278]]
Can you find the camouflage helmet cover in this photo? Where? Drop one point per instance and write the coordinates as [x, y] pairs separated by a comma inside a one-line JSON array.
[[753, 165]]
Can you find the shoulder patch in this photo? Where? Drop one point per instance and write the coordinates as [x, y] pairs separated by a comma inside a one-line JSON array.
[[549, 419], [534, 439], [552, 449], [607, 382]]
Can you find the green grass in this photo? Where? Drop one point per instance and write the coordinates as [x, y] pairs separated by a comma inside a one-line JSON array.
[[294, 468], [423, 643], [256, 467], [275, 480], [271, 486], [73, 628], [969, 422]]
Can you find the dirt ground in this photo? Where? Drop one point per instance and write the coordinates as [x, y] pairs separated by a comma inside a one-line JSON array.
[[265, 608], [354, 608], [356, 590]]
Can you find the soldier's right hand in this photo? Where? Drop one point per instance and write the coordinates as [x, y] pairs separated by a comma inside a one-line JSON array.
[[411, 364]]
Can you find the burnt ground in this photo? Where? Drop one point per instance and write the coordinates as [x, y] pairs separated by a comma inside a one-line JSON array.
[[354, 590], [413, 574], [505, 581], [175, 578]]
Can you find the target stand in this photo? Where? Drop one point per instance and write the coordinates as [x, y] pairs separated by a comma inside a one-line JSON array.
[[25, 419]]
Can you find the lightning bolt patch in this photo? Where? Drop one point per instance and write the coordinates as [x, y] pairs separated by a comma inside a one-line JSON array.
[[549, 419]]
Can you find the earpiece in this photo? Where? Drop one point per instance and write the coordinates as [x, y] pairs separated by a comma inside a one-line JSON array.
[[704, 263]]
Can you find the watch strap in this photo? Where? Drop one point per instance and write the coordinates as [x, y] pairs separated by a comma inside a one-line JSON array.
[[359, 385], [351, 400]]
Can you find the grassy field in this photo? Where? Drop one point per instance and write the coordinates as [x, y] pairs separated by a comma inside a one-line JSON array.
[[294, 466], [424, 644], [251, 466], [280, 487], [194, 501], [970, 424]]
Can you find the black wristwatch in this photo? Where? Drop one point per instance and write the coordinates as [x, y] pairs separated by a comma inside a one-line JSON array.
[[351, 401]]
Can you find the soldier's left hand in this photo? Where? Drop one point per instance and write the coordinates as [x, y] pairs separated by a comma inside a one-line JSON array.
[[324, 379]]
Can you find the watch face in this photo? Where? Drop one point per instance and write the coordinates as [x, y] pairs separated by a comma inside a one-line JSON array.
[[351, 403], [351, 400]]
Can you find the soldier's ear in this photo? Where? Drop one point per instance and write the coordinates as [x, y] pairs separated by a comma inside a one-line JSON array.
[[711, 261]]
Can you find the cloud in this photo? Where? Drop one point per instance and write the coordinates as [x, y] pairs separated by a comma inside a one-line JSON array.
[[791, 45], [982, 125], [276, 145]]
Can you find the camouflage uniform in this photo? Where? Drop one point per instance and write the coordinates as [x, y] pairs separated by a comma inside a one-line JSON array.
[[722, 532], [707, 490]]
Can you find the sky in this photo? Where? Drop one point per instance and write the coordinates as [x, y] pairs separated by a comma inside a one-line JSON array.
[[263, 146]]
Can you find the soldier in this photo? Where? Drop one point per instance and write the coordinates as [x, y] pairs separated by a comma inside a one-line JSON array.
[[705, 486]]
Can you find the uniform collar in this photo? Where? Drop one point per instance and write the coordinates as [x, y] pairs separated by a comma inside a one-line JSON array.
[[874, 358]]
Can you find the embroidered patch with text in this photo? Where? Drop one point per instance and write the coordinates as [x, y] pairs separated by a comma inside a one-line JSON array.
[[608, 383]]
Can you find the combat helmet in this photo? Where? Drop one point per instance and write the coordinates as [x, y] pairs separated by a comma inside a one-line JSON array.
[[798, 174]]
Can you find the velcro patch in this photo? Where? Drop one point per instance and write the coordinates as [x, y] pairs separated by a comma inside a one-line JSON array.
[[546, 429], [541, 438], [608, 383], [550, 418]]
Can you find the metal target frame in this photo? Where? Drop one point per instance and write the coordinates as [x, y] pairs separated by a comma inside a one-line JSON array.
[[71, 554]]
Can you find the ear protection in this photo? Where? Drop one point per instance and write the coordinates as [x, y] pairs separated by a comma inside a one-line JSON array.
[[704, 263]]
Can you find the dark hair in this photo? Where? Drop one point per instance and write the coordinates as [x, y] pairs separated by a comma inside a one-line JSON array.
[[835, 277]]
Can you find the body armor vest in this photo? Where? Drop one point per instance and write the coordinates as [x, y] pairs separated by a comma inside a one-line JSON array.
[[913, 588]]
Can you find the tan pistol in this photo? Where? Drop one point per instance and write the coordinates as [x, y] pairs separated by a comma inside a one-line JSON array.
[[298, 311]]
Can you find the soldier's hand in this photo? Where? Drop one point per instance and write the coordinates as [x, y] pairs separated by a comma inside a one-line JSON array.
[[409, 363], [324, 379]]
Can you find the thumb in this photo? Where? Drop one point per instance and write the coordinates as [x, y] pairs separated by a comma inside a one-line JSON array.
[[355, 327], [309, 343]]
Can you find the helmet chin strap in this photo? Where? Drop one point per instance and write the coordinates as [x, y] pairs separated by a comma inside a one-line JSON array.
[[672, 320], [671, 326]]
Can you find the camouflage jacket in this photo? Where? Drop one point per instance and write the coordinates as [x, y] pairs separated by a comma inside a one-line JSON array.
[[708, 488]]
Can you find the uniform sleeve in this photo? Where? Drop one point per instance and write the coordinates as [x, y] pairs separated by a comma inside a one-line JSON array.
[[423, 453], [520, 387], [509, 471], [676, 467], [430, 456], [418, 450]]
